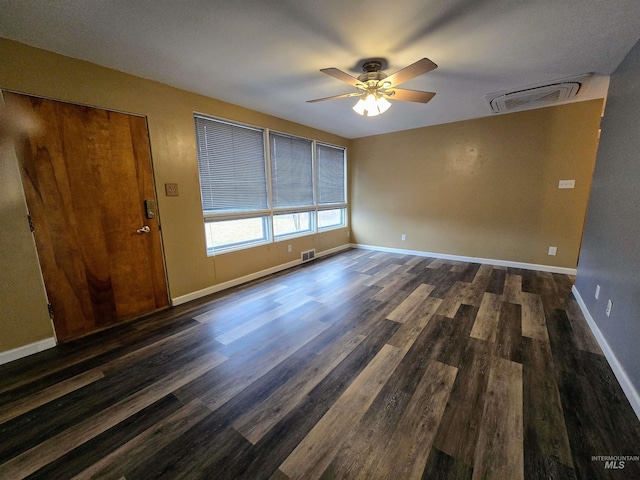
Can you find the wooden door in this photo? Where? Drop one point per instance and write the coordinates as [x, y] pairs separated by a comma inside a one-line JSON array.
[[86, 176]]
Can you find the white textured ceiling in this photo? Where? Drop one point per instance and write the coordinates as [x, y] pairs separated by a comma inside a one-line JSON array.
[[266, 54]]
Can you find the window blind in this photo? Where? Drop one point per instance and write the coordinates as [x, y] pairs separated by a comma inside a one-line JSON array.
[[331, 174], [291, 171], [232, 166]]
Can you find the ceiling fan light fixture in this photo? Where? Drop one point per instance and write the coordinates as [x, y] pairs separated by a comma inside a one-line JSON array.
[[383, 104], [371, 105], [359, 107]]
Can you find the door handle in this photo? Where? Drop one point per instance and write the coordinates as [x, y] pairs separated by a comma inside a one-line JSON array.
[[144, 229]]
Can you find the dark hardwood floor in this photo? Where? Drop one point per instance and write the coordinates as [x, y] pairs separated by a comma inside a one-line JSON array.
[[361, 365]]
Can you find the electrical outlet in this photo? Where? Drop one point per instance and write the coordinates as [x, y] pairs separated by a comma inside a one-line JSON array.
[[609, 307], [553, 250], [597, 291], [567, 184], [288, 248], [404, 237]]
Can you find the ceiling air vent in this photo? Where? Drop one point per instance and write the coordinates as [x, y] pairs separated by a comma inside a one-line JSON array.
[[536, 96]]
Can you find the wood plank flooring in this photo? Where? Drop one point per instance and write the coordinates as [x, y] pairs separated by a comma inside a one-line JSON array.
[[363, 365]]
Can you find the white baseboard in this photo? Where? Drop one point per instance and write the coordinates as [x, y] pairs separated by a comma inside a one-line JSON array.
[[459, 258], [248, 278], [627, 387], [26, 350]]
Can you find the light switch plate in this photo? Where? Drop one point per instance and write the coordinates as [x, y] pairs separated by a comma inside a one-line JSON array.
[[171, 189], [553, 250]]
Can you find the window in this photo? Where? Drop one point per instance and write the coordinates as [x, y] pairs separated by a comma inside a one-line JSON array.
[[232, 167], [331, 175], [291, 171], [231, 234], [233, 181], [332, 191], [291, 185], [328, 219], [250, 198], [292, 224]]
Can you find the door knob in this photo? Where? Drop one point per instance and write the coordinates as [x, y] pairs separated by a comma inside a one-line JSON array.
[[144, 229]]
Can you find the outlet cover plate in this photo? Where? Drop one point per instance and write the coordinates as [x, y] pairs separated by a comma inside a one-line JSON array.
[[553, 250], [567, 184], [171, 189]]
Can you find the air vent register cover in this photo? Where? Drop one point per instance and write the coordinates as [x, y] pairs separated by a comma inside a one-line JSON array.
[[536, 96]]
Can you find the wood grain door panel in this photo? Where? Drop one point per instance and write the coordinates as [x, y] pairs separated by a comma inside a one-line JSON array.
[[86, 176]]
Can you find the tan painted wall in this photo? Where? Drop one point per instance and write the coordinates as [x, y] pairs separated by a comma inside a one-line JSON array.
[[24, 317], [171, 128], [481, 188]]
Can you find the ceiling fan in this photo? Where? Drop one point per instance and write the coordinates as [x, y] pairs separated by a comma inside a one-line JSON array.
[[375, 88]]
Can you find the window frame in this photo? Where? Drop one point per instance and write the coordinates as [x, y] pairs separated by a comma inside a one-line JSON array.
[[269, 214]]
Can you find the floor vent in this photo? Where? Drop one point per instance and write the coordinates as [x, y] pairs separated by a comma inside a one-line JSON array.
[[308, 255], [536, 96]]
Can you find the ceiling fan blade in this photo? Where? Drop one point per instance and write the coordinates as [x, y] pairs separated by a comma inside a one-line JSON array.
[[340, 75], [407, 73], [344, 95], [410, 95]]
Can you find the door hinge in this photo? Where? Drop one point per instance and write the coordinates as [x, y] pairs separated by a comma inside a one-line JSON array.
[[30, 220], [50, 308]]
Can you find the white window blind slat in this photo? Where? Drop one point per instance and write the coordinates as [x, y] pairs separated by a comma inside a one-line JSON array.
[[291, 171], [232, 166], [331, 174]]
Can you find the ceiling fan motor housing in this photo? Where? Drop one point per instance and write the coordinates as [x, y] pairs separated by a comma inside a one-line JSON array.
[[372, 72]]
